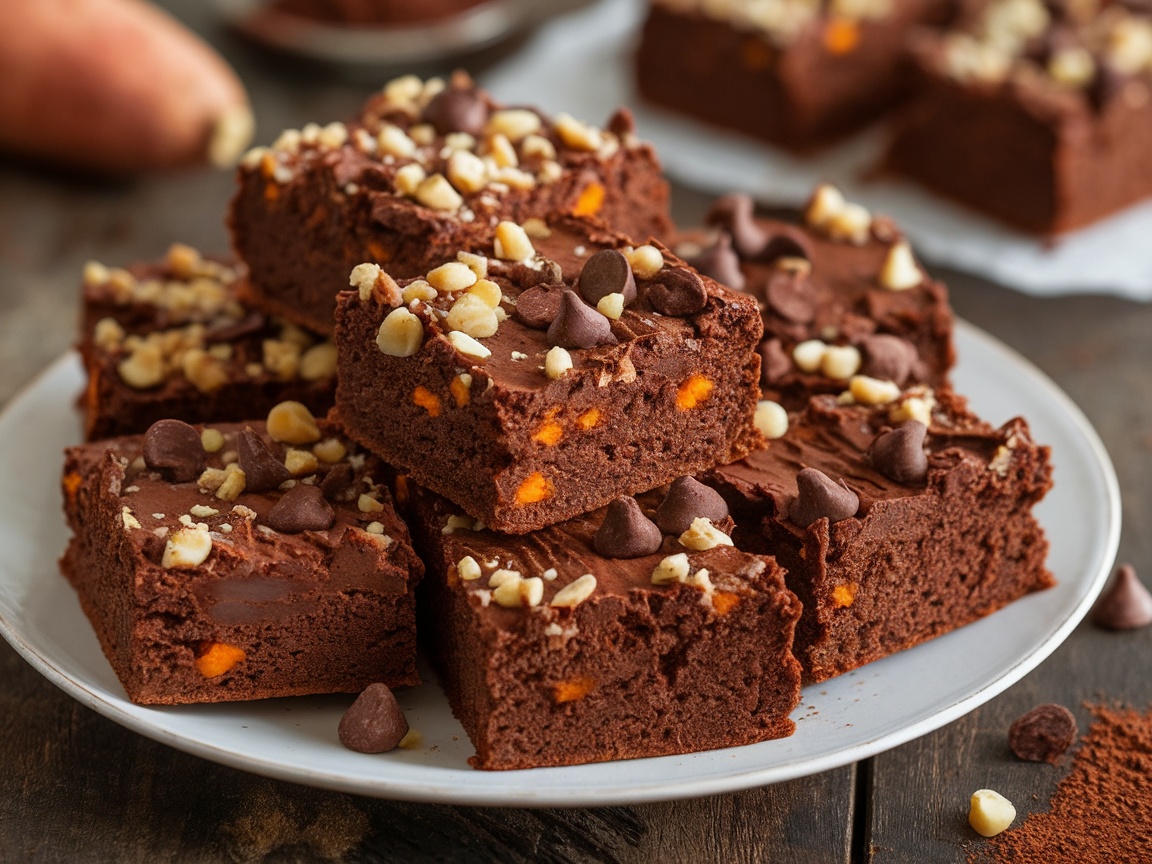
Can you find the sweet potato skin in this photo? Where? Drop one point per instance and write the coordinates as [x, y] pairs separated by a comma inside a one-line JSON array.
[[115, 86]]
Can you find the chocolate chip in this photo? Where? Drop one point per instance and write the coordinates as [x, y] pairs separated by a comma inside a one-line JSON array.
[[720, 262], [578, 325], [789, 295], [676, 291], [774, 361], [173, 448], [537, 307], [338, 478], [688, 499], [819, 497], [1043, 734], [1125, 603], [302, 508], [373, 723], [733, 213], [457, 109], [607, 272], [888, 357], [231, 331], [785, 242], [899, 455], [626, 532], [263, 472]]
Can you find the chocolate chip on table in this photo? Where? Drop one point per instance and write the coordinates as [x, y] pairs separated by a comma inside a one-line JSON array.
[[626, 532], [606, 272], [818, 496], [1043, 734], [790, 296], [578, 325], [733, 213], [899, 455], [263, 472], [373, 723], [173, 448], [1125, 603], [457, 109], [720, 262], [689, 499], [676, 291], [538, 306], [302, 508], [890, 358]]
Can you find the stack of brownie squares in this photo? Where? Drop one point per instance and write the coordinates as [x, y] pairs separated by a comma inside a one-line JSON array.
[[651, 480]]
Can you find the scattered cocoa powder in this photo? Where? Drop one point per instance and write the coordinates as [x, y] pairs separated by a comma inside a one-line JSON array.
[[1101, 812]]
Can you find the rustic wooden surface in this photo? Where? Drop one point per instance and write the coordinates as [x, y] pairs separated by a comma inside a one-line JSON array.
[[77, 787]]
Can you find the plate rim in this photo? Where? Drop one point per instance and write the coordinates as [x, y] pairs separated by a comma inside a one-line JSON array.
[[445, 791]]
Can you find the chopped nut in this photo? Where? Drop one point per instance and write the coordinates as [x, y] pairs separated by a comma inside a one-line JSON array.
[[401, 333], [203, 511], [367, 504], [512, 243], [205, 372], [701, 579], [471, 315], [900, 271], [330, 450], [502, 151], [212, 440], [301, 462], [852, 224], [281, 358], [451, 277], [488, 291], [1073, 66], [515, 124], [611, 306], [394, 141], [674, 568], [575, 592], [418, 290], [840, 361], [232, 483], [537, 146], [437, 193], [333, 136], [456, 522], [318, 362], [550, 171], [1001, 460], [704, 535], [186, 548], [144, 367], [826, 202], [409, 178], [128, 519], [576, 134], [478, 264], [292, 423], [770, 419], [646, 261], [95, 274], [468, 346], [108, 333], [989, 812], [808, 356], [556, 362], [873, 391], [913, 408], [467, 569]]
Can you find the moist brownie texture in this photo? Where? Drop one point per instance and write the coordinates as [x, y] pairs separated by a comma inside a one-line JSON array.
[[427, 169], [554, 653], [231, 562], [1034, 113], [798, 74], [842, 296], [502, 382], [172, 339], [892, 532]]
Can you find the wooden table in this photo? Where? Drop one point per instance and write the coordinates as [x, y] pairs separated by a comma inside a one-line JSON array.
[[77, 787]]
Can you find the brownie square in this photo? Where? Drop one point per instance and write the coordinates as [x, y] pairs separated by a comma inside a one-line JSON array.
[[554, 654], [1038, 119], [882, 564], [426, 169], [842, 295], [227, 562], [513, 426], [172, 338], [799, 75]]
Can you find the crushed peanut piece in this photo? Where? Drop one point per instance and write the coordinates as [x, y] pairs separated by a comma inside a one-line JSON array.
[[292, 423], [702, 534], [186, 548], [401, 333], [468, 569], [673, 568], [575, 592], [512, 243], [989, 812]]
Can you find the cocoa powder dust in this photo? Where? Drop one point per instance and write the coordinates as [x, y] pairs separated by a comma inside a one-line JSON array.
[[1101, 812]]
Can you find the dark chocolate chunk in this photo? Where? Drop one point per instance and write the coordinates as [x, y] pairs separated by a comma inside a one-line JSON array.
[[338, 478], [774, 361], [819, 497], [733, 213], [688, 499], [302, 508], [789, 295], [457, 109], [263, 472], [173, 448], [538, 306], [233, 330], [1043, 734], [373, 723], [720, 262], [899, 455], [578, 325], [626, 532], [1125, 603], [676, 291], [888, 357], [785, 243], [607, 272]]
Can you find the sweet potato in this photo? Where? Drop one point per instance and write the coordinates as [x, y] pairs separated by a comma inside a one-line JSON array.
[[115, 86]]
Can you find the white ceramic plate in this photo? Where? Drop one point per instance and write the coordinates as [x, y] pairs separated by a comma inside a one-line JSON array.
[[582, 64], [840, 721]]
